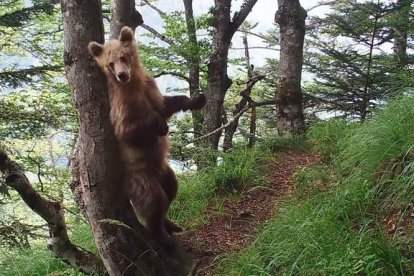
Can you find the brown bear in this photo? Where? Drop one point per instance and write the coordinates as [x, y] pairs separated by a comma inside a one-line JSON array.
[[138, 113]]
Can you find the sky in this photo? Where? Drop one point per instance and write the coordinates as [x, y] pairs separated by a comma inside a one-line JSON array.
[[263, 13]]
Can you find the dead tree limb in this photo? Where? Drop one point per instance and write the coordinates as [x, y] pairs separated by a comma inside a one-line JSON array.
[[52, 213]]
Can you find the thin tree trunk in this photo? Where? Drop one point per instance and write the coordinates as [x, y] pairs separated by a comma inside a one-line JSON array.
[[193, 63], [401, 31], [291, 19], [253, 118], [122, 242], [232, 128], [364, 106], [218, 81]]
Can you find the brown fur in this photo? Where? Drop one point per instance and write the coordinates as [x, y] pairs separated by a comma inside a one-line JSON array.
[[139, 113]]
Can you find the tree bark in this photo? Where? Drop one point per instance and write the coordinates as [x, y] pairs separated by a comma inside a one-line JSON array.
[[52, 213], [193, 63], [121, 240], [124, 13], [401, 31], [218, 81], [291, 19]]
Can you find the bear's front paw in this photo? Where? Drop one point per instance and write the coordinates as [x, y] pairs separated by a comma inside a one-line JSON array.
[[162, 127], [198, 102]]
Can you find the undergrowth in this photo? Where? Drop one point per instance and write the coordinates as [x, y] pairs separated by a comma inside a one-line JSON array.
[[238, 170], [333, 224], [39, 261]]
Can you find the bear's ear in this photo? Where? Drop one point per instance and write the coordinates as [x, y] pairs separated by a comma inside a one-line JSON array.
[[127, 35], [95, 49]]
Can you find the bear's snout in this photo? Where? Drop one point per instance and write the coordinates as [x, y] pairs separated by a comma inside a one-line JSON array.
[[123, 76]]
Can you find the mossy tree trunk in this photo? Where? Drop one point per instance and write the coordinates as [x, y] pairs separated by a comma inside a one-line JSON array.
[[289, 99]]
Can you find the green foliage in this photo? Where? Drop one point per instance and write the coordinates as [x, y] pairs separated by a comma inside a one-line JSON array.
[[31, 42], [280, 144], [81, 235], [173, 60], [27, 113], [381, 151], [349, 56]]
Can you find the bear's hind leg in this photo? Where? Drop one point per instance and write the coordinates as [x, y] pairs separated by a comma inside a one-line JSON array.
[[170, 186], [151, 203]]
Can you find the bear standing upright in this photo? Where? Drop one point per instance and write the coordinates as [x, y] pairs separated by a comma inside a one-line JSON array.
[[138, 113]]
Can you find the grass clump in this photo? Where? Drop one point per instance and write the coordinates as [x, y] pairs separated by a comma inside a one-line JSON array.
[[324, 136], [240, 169], [34, 261]]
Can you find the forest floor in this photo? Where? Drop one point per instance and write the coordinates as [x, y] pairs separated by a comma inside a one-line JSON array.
[[235, 225]]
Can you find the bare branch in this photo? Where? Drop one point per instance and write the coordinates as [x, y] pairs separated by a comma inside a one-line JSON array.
[[237, 116], [52, 213], [321, 4], [157, 34], [256, 47], [266, 39], [175, 74], [241, 15], [162, 13]]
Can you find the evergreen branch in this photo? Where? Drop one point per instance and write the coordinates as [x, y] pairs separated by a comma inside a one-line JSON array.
[[14, 78], [19, 17], [162, 13]]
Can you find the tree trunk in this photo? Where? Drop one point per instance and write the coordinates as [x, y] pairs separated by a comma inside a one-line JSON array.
[[291, 19], [401, 31], [218, 81], [123, 13], [193, 63], [122, 242], [253, 118]]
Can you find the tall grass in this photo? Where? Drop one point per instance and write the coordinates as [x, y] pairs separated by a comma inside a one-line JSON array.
[[338, 228], [39, 261], [35, 261]]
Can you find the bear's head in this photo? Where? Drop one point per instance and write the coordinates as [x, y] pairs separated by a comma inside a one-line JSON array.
[[117, 57]]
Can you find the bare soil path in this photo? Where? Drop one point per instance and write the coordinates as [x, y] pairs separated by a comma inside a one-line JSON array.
[[235, 227]]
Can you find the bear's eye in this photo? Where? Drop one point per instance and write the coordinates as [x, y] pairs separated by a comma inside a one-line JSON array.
[[123, 59], [111, 64]]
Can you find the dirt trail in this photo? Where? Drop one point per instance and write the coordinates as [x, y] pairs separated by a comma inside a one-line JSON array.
[[235, 227]]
